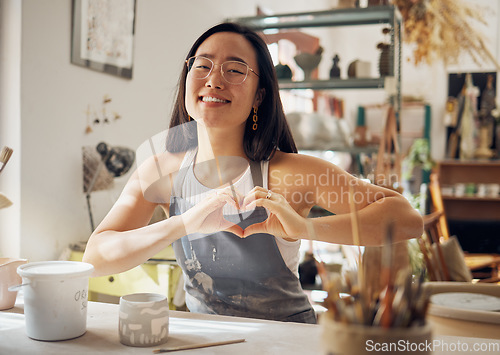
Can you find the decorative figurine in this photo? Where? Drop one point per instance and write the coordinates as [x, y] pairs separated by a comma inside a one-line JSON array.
[[487, 138], [384, 67], [308, 62], [335, 71], [351, 69], [283, 71]]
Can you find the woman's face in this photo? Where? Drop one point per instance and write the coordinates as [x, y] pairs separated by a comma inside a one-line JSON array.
[[213, 101]]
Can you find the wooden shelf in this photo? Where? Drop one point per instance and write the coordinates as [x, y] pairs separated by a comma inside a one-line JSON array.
[[471, 198], [453, 172], [470, 208]]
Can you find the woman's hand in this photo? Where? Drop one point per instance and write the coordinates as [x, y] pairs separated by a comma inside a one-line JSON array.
[[283, 221], [207, 217]]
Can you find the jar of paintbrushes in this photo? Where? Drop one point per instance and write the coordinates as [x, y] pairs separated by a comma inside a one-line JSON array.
[[362, 320]]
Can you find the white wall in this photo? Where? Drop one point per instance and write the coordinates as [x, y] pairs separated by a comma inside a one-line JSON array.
[[10, 122], [43, 119], [43, 99]]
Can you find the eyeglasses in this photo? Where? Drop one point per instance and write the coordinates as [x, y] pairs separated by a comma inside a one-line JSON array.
[[232, 71]]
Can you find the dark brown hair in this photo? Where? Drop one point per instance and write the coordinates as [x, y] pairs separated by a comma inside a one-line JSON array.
[[273, 132]]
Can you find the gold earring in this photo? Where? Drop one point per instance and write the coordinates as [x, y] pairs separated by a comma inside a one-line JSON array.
[[254, 118]]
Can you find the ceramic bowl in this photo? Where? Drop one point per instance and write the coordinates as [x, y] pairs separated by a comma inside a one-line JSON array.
[[307, 62], [143, 319]]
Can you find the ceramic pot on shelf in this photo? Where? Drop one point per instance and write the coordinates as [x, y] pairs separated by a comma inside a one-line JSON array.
[[308, 62]]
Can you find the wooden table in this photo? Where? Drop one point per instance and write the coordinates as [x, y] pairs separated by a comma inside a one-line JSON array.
[[262, 337]]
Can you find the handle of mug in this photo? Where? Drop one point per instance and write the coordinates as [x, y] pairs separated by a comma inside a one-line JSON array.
[[17, 287]]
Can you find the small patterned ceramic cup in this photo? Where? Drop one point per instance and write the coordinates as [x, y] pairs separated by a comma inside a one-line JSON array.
[[143, 319]]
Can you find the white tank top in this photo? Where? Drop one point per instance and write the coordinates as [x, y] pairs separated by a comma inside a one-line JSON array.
[[194, 192]]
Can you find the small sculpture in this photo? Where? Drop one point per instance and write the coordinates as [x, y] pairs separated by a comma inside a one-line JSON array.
[[384, 67], [384, 63], [283, 71], [335, 71], [308, 62], [487, 122], [488, 97], [351, 69]]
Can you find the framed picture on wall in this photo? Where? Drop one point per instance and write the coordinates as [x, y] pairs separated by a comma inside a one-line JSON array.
[[103, 35]]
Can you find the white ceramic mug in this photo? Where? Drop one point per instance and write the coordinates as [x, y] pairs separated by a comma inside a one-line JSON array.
[[143, 319]]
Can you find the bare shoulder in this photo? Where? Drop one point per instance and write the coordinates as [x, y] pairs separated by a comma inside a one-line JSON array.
[[299, 164], [160, 165], [298, 173], [155, 175]]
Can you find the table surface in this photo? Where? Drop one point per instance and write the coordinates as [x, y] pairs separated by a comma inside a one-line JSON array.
[[262, 337]]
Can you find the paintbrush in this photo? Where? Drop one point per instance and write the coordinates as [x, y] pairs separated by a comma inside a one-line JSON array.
[[384, 315], [402, 299], [363, 307], [4, 201], [5, 155], [197, 346]]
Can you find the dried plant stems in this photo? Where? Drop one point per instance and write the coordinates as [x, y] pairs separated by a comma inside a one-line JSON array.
[[443, 30], [362, 292], [401, 304]]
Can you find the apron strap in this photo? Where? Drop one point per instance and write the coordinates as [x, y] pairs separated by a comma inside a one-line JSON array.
[[256, 172]]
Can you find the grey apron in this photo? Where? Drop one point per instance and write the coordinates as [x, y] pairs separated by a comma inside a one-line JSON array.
[[228, 275]]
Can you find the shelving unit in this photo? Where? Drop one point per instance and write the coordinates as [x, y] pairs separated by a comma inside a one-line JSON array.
[[340, 17], [474, 220], [334, 84], [337, 17], [470, 207]]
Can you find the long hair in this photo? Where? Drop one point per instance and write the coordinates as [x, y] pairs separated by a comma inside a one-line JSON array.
[[273, 132]]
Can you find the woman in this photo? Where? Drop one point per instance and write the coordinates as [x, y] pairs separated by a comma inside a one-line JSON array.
[[237, 193]]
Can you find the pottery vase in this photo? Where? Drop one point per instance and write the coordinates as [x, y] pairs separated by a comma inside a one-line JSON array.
[[354, 339], [307, 62], [384, 63]]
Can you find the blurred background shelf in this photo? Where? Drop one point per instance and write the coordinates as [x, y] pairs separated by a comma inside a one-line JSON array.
[[337, 17], [332, 84], [474, 220]]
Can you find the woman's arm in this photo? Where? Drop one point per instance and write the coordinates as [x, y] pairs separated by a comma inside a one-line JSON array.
[[124, 239], [374, 221], [299, 182]]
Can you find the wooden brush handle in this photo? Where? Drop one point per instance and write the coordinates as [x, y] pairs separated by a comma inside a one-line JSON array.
[[197, 346]]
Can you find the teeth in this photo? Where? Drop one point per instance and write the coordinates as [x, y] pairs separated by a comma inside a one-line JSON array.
[[211, 99]]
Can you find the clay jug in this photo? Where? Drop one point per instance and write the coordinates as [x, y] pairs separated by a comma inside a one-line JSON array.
[[8, 278]]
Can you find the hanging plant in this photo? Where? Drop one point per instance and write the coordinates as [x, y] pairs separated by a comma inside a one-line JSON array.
[[443, 30], [418, 156]]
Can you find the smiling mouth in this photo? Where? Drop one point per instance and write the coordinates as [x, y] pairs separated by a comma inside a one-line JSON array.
[[212, 99]]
